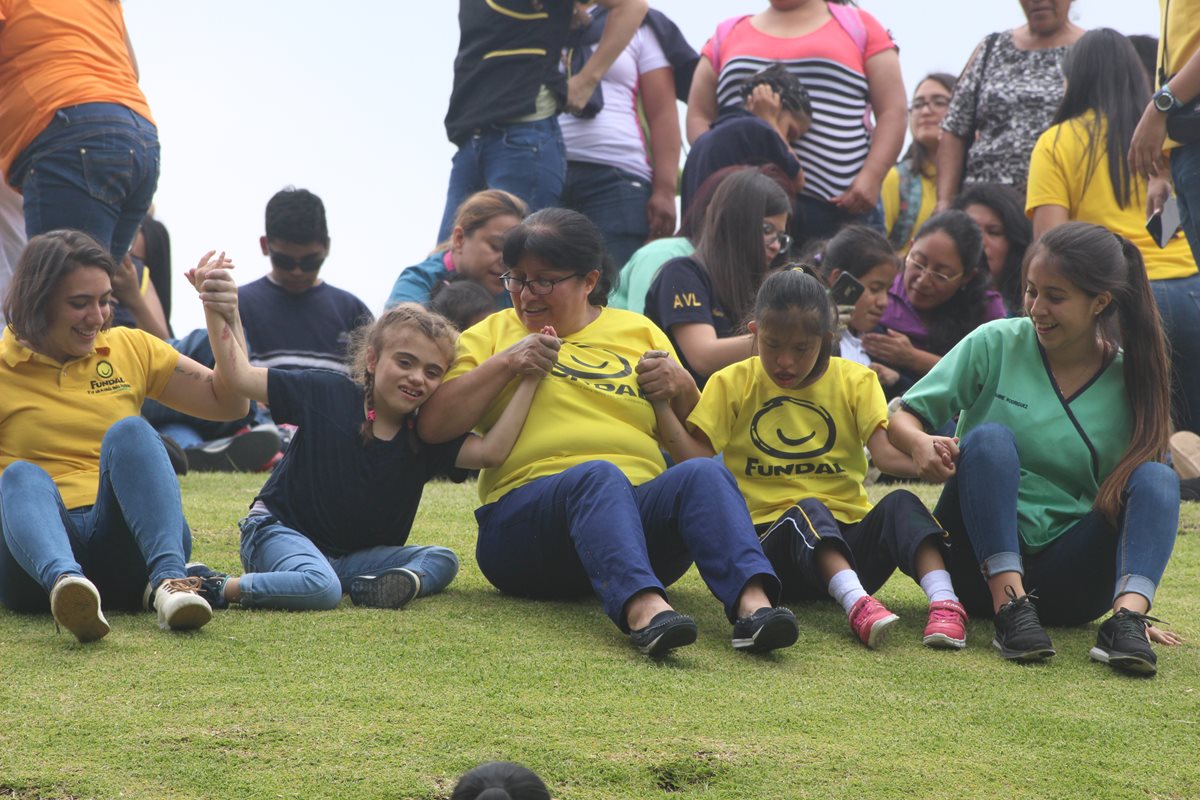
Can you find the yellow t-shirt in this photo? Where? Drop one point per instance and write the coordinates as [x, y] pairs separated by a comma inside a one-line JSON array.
[[1180, 31], [890, 194], [784, 445], [1057, 171], [55, 415], [588, 408]]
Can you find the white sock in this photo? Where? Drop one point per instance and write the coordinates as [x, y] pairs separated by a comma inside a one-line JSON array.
[[937, 586], [846, 589]]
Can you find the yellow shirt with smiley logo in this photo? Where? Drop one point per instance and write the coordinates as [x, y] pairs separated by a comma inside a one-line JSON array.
[[55, 415], [589, 408], [783, 445]]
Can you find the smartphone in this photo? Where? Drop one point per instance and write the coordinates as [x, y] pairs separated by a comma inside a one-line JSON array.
[[1163, 225], [846, 290]]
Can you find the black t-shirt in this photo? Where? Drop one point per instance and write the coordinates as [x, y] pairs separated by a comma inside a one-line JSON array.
[[682, 294], [506, 51], [342, 494], [737, 137]]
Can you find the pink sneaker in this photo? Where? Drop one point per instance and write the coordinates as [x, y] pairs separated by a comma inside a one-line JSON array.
[[947, 625], [870, 620]]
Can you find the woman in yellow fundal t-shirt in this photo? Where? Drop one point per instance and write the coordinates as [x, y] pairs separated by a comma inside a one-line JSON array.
[[89, 503], [1078, 172], [583, 503]]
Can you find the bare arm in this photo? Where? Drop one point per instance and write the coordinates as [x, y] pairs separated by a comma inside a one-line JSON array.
[[706, 353], [458, 404], [886, 89], [896, 349], [933, 456], [146, 308], [888, 458], [658, 99], [133, 62], [702, 100], [662, 378], [1146, 146], [624, 17], [233, 368], [490, 450], [680, 440], [950, 154], [1047, 217]]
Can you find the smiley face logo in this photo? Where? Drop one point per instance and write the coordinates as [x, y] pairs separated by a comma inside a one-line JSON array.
[[593, 363], [104, 370], [787, 427]]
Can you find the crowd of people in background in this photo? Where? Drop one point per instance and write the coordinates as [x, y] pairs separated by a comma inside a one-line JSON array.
[[641, 386]]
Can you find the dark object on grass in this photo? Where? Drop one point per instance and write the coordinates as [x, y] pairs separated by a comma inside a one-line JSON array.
[[500, 780]]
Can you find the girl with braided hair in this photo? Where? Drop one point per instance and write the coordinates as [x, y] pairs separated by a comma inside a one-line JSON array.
[[335, 515]]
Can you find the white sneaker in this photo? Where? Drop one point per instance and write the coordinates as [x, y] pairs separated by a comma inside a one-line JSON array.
[[75, 604], [180, 606], [1185, 454]]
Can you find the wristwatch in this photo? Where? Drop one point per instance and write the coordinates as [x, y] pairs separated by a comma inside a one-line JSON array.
[[1165, 101]]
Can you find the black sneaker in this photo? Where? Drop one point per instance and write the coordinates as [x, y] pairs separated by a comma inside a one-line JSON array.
[[1019, 632], [1189, 490], [391, 588], [1122, 643], [766, 629], [668, 630], [175, 453], [242, 452], [212, 584]]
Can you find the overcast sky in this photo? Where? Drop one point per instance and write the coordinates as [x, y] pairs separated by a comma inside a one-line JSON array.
[[347, 100]]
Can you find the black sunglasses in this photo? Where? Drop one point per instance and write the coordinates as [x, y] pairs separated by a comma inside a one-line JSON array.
[[287, 263]]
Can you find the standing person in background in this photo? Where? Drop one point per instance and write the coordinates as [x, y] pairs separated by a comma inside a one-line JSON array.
[[76, 136], [12, 237], [508, 91], [623, 183], [1007, 232], [1004, 99], [1079, 172], [292, 318], [910, 189], [472, 251], [848, 62], [152, 245]]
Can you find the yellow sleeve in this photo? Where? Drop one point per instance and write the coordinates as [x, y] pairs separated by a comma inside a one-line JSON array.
[[716, 413], [1049, 183], [477, 344], [158, 359], [870, 406], [890, 194]]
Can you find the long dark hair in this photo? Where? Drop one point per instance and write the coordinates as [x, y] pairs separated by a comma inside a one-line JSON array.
[[1097, 260], [731, 247], [856, 249], [964, 312], [1104, 75], [1006, 204], [916, 156]]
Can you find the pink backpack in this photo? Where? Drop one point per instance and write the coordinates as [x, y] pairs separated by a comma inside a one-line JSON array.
[[847, 16]]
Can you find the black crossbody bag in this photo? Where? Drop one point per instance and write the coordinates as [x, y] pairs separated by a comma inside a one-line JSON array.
[[1183, 123]]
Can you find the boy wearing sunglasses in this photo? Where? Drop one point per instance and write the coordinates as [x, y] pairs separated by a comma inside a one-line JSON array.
[[292, 318]]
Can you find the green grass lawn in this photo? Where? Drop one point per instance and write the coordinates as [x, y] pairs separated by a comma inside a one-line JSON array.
[[368, 703]]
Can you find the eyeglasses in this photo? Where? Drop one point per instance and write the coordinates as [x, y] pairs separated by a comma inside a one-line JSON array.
[[939, 103], [310, 263], [923, 269], [539, 286], [770, 234]]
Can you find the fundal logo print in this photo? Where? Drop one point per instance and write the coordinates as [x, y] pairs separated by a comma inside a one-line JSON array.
[[791, 428], [595, 363]]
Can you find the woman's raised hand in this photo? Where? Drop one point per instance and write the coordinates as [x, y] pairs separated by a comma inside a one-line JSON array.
[[212, 280], [536, 354]]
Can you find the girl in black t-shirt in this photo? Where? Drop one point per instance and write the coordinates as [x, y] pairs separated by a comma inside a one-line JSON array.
[[335, 515]]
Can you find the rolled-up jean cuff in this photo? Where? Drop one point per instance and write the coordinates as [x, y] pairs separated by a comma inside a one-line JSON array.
[[1135, 584], [1002, 562]]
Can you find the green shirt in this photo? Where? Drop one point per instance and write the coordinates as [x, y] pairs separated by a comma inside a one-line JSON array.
[[1067, 447]]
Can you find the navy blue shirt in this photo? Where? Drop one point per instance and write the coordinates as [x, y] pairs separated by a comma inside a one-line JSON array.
[[682, 294], [343, 494], [299, 331], [737, 137]]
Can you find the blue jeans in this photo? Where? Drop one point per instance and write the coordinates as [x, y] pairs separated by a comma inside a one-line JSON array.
[[1185, 174], [1080, 573], [284, 569], [820, 219], [134, 534], [615, 201], [588, 530], [1179, 304], [94, 168], [524, 158]]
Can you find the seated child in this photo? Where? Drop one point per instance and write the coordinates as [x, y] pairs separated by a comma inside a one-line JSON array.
[[461, 300], [335, 515], [792, 423]]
